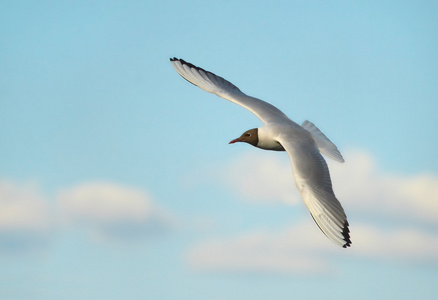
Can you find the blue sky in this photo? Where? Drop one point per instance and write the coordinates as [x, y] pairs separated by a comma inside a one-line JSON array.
[[117, 180]]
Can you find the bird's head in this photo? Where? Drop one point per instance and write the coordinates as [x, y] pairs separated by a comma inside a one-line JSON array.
[[249, 136]]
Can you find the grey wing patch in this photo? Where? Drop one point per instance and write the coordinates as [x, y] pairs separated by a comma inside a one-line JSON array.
[[312, 178], [325, 146]]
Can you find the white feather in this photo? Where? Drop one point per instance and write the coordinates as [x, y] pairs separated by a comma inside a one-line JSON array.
[[302, 143]]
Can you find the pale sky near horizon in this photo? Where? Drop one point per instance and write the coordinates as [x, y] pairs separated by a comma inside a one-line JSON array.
[[117, 180]]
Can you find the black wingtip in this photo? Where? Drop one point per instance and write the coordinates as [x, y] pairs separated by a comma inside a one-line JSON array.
[[192, 66], [346, 235], [181, 61], [213, 78]]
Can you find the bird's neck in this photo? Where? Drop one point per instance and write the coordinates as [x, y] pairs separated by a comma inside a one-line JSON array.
[[266, 140]]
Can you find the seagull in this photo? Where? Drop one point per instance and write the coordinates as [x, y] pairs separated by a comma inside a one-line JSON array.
[[303, 144]]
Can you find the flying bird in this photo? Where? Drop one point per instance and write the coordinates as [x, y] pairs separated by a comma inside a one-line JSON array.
[[304, 145]]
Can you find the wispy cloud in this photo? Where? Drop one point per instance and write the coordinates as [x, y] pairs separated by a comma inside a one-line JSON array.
[[359, 184], [403, 244], [363, 186], [113, 211], [25, 219], [300, 249], [261, 178], [290, 251], [29, 219], [379, 198]]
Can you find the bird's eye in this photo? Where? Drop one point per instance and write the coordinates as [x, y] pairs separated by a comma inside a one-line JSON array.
[[248, 134]]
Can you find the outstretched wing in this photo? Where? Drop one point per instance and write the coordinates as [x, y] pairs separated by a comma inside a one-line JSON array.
[[312, 178], [217, 85]]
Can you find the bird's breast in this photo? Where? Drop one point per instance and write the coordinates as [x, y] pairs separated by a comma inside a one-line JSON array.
[[274, 146], [267, 138]]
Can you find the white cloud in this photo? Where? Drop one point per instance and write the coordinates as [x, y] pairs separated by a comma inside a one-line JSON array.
[[363, 186], [111, 210], [300, 249], [28, 219], [359, 184], [365, 191], [262, 178], [406, 244], [25, 219], [291, 251]]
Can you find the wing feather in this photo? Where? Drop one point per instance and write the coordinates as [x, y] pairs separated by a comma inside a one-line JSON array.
[[312, 178], [219, 86]]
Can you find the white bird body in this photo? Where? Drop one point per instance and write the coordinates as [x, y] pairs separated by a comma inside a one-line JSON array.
[[302, 143]]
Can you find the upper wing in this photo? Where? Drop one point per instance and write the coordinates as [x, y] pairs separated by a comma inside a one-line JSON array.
[[217, 85], [312, 178]]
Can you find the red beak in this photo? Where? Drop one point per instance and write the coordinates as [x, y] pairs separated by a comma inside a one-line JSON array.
[[235, 141]]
